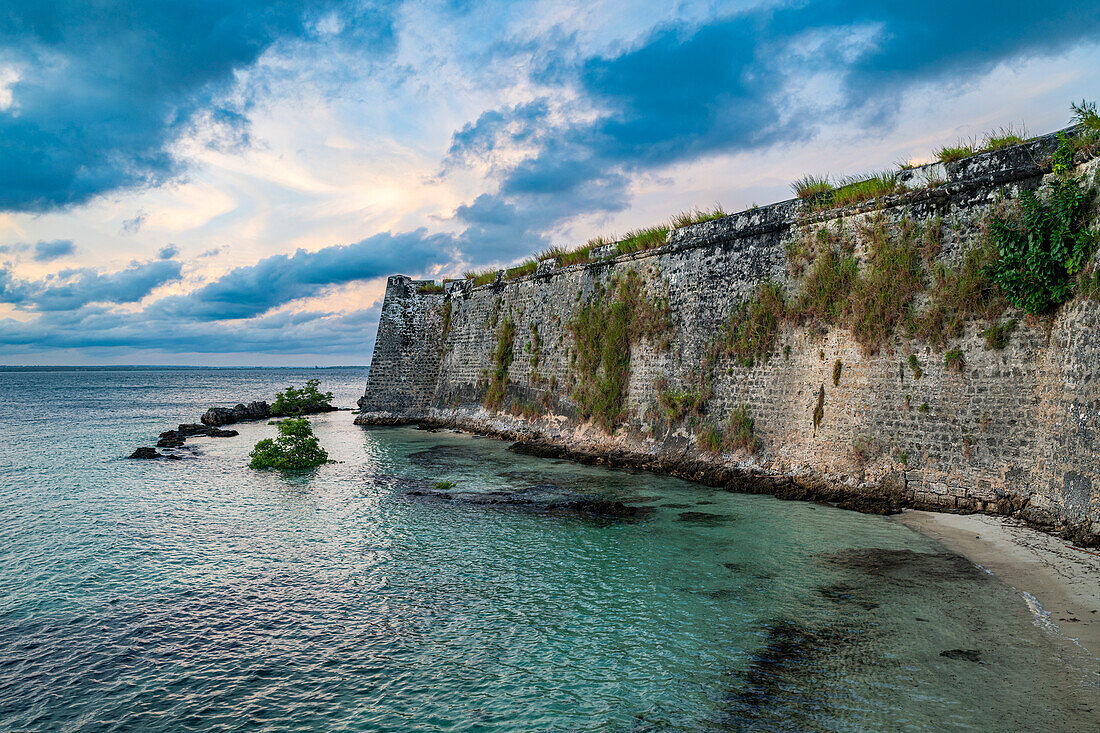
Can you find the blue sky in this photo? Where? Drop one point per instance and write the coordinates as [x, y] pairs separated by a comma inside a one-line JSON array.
[[230, 181]]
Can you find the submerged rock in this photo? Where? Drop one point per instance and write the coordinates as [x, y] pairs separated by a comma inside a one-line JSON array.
[[968, 655], [152, 453], [908, 568], [146, 453], [527, 501], [703, 517]]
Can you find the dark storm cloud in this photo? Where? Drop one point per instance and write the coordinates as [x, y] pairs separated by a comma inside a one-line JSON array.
[[71, 290], [46, 251], [104, 86], [255, 289]]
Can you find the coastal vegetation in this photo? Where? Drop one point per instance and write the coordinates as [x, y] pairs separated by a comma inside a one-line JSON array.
[[296, 447], [308, 399]]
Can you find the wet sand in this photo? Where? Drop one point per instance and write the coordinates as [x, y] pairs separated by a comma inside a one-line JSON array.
[[1060, 582]]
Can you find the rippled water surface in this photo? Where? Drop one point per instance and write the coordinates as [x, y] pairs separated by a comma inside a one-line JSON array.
[[201, 595]]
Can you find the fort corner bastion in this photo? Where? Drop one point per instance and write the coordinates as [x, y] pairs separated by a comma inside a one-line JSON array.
[[869, 394]]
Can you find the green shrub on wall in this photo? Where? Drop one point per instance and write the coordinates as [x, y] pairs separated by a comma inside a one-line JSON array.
[[1044, 247]]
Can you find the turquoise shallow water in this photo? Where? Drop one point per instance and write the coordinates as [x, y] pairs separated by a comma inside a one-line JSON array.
[[201, 595]]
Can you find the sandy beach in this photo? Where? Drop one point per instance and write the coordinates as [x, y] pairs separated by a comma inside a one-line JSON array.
[[1060, 583]]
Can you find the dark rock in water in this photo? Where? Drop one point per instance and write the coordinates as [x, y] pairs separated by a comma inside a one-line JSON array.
[[906, 568], [780, 689], [586, 507], [702, 517], [440, 457], [599, 507], [175, 438], [217, 416], [846, 594], [969, 655], [146, 453], [676, 506]]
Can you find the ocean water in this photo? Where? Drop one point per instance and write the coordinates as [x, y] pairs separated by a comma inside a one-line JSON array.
[[201, 595]]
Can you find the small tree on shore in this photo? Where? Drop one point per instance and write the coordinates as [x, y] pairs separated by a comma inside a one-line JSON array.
[[295, 447]]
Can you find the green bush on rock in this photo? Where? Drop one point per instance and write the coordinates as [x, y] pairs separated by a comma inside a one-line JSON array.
[[295, 447], [294, 401]]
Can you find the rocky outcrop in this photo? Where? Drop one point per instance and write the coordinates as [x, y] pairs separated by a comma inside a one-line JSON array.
[[175, 438], [152, 453], [218, 416]]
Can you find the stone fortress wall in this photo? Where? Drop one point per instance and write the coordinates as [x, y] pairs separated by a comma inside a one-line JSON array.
[[1015, 431]]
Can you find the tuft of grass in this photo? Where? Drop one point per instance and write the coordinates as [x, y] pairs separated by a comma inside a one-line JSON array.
[[520, 270], [697, 216], [639, 240], [828, 287], [431, 288], [837, 367], [480, 277], [864, 449], [444, 485], [996, 336], [883, 293], [446, 315], [1086, 114], [953, 360], [739, 434], [576, 256], [1006, 137], [955, 153], [811, 187], [960, 292], [688, 403], [923, 407], [855, 189]]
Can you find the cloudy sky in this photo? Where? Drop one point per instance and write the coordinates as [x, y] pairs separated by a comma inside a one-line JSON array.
[[230, 181]]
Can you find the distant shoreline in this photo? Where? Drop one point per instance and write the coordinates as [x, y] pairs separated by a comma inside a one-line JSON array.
[[165, 367]]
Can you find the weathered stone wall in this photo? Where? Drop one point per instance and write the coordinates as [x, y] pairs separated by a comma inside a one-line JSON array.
[[1014, 432], [405, 364]]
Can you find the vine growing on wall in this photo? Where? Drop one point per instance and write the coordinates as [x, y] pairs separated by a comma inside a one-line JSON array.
[[502, 357], [1044, 247], [604, 330]]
